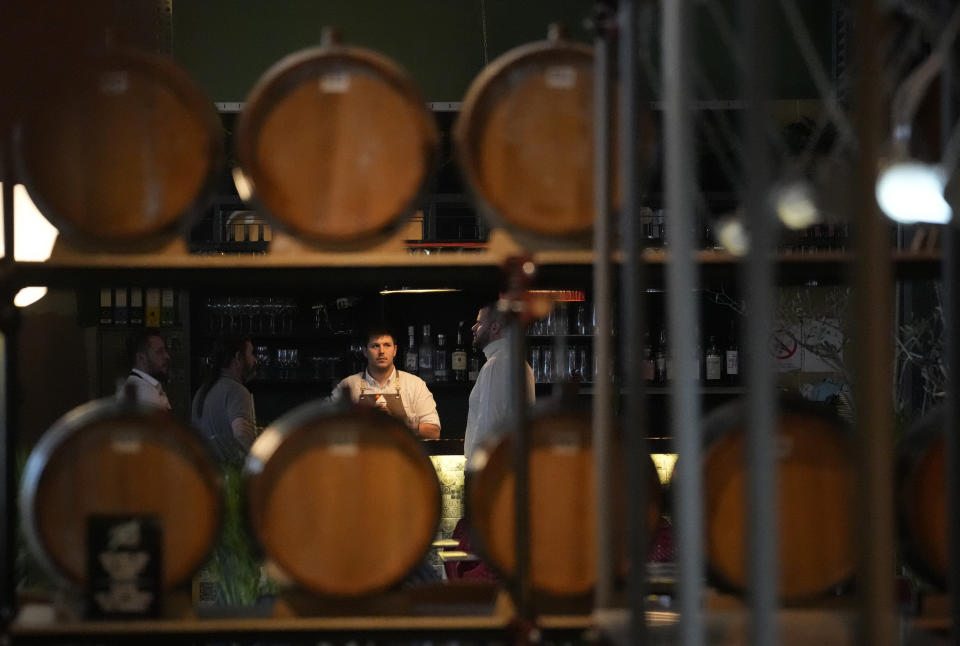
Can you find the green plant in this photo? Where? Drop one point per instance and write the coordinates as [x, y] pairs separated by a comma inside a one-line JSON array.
[[234, 564]]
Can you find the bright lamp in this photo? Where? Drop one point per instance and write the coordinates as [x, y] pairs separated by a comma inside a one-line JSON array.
[[33, 242]]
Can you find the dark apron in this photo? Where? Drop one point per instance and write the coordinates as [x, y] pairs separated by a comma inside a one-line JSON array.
[[389, 403]]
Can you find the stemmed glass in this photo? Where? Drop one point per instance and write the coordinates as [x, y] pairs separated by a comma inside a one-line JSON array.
[[288, 310], [214, 314], [271, 309]]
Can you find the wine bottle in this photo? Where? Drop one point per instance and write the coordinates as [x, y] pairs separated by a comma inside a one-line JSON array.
[[410, 360], [713, 361], [425, 356], [696, 358], [474, 370], [441, 370], [732, 356], [649, 366], [458, 360], [660, 359]]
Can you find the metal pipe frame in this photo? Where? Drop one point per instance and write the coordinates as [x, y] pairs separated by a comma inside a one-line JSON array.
[[631, 329], [682, 278], [521, 466], [603, 401], [951, 290], [873, 319], [762, 549], [8, 419]]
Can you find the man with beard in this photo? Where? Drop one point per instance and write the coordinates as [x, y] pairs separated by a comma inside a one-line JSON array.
[[487, 417], [489, 408], [149, 363], [401, 395], [223, 409]]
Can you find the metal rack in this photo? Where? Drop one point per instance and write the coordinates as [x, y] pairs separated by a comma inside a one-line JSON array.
[[871, 266]]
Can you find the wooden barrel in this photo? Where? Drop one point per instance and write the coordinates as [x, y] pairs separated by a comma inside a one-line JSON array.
[[922, 498], [816, 480], [124, 149], [111, 459], [345, 501], [562, 505], [524, 138], [337, 142]]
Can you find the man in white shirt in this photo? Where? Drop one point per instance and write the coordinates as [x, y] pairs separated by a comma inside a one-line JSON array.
[[149, 368], [489, 410], [400, 394], [487, 419]]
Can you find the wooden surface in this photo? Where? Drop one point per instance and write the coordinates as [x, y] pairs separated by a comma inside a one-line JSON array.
[[122, 148], [815, 502], [347, 505], [562, 506], [337, 144], [130, 465]]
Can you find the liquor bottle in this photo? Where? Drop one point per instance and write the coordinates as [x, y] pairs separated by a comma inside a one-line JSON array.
[[649, 366], [713, 361], [136, 306], [152, 310], [441, 367], [410, 361], [121, 313], [167, 308], [425, 356], [458, 360], [106, 306], [732, 356], [696, 358], [474, 370], [660, 359]]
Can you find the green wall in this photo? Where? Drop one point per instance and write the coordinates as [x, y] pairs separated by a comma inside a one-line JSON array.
[[228, 44]]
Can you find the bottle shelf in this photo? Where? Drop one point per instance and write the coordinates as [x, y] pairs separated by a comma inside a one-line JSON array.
[[541, 337], [291, 261], [587, 388], [450, 385], [299, 381], [264, 339]]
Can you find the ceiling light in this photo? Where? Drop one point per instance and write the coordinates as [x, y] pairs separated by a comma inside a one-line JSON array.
[[907, 190], [732, 235], [795, 205], [664, 463], [34, 235], [29, 295], [911, 191], [243, 184]]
